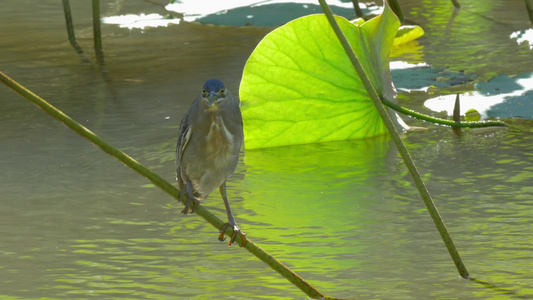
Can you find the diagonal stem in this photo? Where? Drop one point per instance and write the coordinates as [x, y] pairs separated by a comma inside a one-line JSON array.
[[164, 185], [529, 9], [399, 143]]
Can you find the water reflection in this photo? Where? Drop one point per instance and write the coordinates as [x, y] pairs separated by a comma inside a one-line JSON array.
[[483, 29], [293, 186]]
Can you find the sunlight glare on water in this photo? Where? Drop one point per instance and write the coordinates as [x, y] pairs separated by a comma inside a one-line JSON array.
[[140, 21]]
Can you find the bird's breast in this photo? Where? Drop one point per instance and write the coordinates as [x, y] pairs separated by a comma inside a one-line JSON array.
[[221, 146], [218, 133]]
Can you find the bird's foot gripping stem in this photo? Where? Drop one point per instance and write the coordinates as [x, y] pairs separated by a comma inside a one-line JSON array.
[[236, 230], [193, 208], [192, 200]]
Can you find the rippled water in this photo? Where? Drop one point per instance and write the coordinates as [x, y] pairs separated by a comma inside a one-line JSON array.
[[75, 223]]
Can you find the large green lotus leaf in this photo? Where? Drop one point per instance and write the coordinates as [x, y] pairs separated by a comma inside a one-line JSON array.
[[299, 86]]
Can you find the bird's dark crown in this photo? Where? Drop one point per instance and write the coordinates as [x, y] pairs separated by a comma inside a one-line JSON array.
[[213, 85]]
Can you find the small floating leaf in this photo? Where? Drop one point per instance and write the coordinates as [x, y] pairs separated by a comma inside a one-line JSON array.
[[472, 115], [407, 33]]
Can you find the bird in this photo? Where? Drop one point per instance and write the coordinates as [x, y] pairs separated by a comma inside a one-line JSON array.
[[207, 151]]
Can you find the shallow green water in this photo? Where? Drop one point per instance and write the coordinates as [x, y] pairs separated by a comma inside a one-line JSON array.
[[74, 223]]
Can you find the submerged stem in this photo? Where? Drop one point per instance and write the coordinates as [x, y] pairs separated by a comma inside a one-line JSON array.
[[456, 4], [70, 27], [97, 33]]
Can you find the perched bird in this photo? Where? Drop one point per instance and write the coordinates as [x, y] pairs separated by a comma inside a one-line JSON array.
[[207, 153]]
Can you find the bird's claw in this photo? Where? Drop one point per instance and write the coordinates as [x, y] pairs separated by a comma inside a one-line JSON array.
[[236, 230], [195, 204]]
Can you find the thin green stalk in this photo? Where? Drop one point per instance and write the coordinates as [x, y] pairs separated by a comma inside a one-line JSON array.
[[158, 181], [529, 8], [399, 143], [70, 27], [456, 4], [358, 12], [464, 124], [97, 33], [395, 6]]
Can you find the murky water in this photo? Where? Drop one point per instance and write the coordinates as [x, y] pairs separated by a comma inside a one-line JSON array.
[[75, 223]]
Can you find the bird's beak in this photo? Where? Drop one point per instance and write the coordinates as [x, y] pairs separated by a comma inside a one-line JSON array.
[[212, 98]]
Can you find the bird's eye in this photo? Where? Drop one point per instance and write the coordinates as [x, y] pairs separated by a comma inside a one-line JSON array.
[[222, 92], [204, 92]]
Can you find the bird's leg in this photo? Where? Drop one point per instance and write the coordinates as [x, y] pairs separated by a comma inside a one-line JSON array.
[[191, 197], [231, 221]]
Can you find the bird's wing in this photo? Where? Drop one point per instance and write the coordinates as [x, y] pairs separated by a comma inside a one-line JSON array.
[[183, 139]]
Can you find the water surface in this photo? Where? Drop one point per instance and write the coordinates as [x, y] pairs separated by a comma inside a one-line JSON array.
[[75, 223]]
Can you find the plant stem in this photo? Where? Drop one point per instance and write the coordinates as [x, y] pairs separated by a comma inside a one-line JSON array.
[[158, 181], [529, 8], [97, 33], [395, 6], [456, 4], [399, 143], [358, 12], [464, 124], [70, 27]]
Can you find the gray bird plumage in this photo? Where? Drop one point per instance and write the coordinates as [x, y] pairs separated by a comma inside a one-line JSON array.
[[207, 152]]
